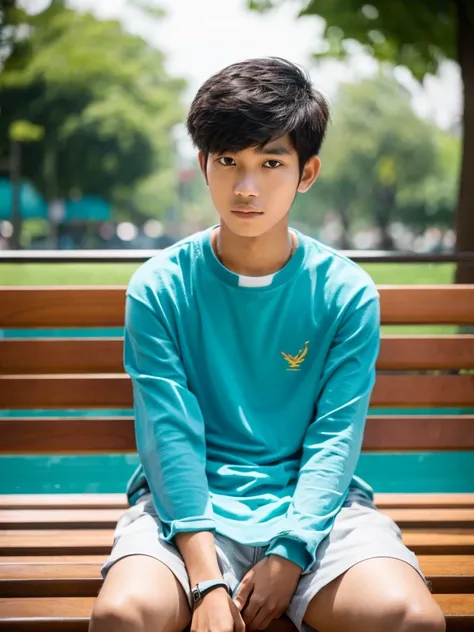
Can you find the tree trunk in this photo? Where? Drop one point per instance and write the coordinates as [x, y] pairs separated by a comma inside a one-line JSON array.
[[15, 182], [384, 205], [345, 241], [465, 210]]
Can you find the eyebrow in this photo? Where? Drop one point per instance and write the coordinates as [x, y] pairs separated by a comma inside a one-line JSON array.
[[276, 150]]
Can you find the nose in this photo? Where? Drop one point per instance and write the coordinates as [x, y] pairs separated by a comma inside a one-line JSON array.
[[246, 186]]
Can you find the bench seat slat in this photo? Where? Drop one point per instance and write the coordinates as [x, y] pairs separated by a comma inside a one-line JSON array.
[[107, 518], [104, 355], [109, 501], [427, 541], [16, 611], [90, 586], [115, 391], [447, 565]]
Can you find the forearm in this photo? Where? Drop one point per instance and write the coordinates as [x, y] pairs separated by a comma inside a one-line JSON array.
[[169, 426], [199, 554]]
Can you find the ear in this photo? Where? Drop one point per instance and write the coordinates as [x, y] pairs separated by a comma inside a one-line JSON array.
[[203, 164], [310, 173]]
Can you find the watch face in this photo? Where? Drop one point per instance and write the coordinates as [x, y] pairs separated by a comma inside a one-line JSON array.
[[196, 594]]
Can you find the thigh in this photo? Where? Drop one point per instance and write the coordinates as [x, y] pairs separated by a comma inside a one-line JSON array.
[[376, 594], [141, 593]]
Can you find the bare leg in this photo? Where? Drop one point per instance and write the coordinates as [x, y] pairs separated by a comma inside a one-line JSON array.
[[378, 595], [140, 594]]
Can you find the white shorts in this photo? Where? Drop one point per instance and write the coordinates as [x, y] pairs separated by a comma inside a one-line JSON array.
[[360, 532]]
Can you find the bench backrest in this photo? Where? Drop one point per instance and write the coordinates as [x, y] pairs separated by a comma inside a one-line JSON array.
[[78, 373]]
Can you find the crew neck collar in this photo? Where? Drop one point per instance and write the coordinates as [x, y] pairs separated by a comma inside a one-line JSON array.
[[243, 282]]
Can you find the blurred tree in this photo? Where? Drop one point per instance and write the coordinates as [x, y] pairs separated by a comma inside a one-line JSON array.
[[418, 35], [432, 201], [102, 97], [377, 149]]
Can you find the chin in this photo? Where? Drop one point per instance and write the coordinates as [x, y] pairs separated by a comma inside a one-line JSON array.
[[247, 227]]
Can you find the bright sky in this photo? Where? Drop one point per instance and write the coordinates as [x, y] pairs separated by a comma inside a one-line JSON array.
[[199, 37]]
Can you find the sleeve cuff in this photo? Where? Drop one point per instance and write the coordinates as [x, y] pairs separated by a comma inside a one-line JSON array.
[[292, 550], [170, 529]]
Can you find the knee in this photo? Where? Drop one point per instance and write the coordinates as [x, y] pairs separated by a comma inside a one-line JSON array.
[[404, 615], [116, 615], [129, 613], [424, 619]]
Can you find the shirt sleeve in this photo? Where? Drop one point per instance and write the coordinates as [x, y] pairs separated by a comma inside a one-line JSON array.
[[333, 441], [169, 426]]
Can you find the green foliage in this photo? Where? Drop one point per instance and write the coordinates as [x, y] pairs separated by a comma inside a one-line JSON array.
[[417, 34], [102, 97], [24, 131], [381, 162]]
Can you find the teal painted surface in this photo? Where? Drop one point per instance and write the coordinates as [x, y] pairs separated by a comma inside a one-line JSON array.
[[417, 472]]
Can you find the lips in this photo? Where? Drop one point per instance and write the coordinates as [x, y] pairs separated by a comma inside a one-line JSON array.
[[247, 210]]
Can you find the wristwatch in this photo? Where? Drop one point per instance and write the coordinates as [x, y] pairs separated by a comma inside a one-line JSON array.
[[202, 588]]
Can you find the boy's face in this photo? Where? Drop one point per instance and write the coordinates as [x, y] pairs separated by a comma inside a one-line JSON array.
[[254, 189]]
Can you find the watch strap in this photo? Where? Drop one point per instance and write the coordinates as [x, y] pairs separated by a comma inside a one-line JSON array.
[[202, 588]]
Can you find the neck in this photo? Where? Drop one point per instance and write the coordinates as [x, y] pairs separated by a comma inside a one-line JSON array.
[[254, 256]]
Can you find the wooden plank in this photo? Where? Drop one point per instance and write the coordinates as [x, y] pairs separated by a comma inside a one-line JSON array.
[[424, 391], [105, 435], [447, 565], [61, 306], [108, 390], [106, 501], [423, 353], [110, 501], [104, 355], [59, 560], [459, 610], [57, 542], [68, 587], [60, 355], [84, 580], [412, 433], [427, 304], [115, 391], [385, 500], [107, 518], [89, 306], [53, 435], [428, 541]]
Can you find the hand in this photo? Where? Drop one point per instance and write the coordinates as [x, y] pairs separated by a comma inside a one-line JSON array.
[[266, 591], [217, 613]]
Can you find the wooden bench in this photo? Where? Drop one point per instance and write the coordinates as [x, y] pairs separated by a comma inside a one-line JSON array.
[[52, 546]]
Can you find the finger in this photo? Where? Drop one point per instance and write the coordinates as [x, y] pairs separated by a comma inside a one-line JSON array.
[[244, 592], [262, 620], [239, 623], [251, 610]]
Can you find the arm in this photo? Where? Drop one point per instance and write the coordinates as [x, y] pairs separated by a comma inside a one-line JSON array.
[[333, 441], [170, 440], [169, 427]]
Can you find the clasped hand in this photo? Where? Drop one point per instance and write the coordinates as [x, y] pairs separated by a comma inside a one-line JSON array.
[[266, 591]]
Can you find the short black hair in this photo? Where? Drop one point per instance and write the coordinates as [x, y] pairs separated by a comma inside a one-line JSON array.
[[252, 102]]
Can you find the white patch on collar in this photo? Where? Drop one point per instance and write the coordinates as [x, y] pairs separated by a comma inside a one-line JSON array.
[[259, 281]]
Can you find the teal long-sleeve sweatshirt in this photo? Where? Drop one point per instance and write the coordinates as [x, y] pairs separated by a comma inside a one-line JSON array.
[[250, 394]]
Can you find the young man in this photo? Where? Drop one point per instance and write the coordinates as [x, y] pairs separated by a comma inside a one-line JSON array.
[[252, 352]]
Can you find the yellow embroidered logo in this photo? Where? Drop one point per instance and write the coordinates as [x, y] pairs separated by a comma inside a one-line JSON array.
[[295, 361]]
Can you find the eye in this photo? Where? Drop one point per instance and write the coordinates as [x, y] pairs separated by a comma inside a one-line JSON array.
[[226, 161], [273, 164]]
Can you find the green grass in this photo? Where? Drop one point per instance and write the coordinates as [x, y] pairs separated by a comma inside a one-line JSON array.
[[119, 274]]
